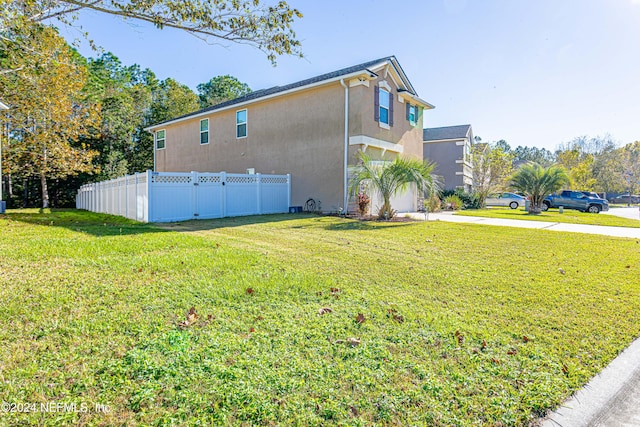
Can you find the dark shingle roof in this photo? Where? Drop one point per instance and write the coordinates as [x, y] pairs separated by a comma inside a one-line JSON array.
[[447, 132], [273, 90]]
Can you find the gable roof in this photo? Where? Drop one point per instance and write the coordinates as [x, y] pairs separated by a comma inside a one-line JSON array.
[[365, 67], [446, 132]]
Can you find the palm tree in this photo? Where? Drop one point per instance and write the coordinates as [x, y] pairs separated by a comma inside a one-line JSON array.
[[538, 182], [392, 178]]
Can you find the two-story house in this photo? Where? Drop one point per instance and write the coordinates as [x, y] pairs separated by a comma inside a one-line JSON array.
[[450, 148], [312, 129]]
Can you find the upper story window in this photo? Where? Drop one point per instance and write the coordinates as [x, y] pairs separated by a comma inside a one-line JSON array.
[[383, 108], [160, 139], [412, 114], [241, 123], [204, 131]]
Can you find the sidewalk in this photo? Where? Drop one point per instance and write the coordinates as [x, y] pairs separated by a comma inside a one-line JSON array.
[[612, 397], [633, 233]]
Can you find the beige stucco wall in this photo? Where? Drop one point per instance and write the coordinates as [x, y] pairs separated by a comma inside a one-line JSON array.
[[361, 122], [300, 133]]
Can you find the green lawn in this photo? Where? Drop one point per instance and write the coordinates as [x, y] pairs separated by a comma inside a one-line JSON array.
[[552, 215], [462, 324]]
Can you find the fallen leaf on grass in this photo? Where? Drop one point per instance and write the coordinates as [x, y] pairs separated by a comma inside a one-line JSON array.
[[460, 337], [353, 342], [324, 310], [512, 352], [192, 316], [360, 318], [565, 369], [525, 338], [484, 344], [250, 291]]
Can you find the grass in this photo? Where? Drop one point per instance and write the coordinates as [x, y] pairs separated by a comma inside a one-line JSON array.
[[553, 215], [463, 324]]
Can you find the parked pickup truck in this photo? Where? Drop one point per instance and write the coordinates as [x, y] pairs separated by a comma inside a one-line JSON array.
[[570, 199]]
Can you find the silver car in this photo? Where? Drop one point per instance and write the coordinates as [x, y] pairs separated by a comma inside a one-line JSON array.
[[512, 200]]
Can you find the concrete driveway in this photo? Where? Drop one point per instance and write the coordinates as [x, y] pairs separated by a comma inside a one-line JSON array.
[[632, 212]]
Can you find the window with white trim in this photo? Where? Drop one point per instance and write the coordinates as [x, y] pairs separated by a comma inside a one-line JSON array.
[[160, 139], [384, 106], [204, 131], [241, 124]]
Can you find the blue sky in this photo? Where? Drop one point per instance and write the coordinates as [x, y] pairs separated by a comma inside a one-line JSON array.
[[535, 73]]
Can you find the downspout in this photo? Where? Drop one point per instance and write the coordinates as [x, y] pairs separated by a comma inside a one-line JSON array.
[[346, 144]]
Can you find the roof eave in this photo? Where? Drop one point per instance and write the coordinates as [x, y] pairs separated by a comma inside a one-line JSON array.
[[262, 98], [421, 102]]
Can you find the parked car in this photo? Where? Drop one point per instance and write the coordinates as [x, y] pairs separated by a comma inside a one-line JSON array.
[[505, 199], [570, 199], [591, 194], [626, 198]]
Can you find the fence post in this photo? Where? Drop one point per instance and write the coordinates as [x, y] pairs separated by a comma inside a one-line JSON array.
[[259, 192], [99, 194], [223, 181], [148, 204], [126, 196], [136, 198], [288, 191], [195, 188]]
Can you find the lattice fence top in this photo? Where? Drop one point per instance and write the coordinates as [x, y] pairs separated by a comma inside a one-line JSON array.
[[274, 179], [171, 179], [215, 179], [242, 179]]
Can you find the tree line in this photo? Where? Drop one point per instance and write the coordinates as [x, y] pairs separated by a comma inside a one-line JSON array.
[[596, 164], [74, 119]]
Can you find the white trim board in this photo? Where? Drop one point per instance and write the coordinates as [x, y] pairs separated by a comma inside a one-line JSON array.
[[368, 141]]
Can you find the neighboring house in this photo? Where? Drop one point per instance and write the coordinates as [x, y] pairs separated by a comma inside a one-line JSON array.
[[312, 129], [450, 148]]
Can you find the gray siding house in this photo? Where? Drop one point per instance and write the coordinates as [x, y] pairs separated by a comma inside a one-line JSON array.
[[450, 148]]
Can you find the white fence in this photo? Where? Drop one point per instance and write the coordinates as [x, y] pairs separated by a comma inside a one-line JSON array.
[[176, 196]]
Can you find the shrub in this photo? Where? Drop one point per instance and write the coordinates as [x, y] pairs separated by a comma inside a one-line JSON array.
[[433, 203], [363, 203], [469, 200], [453, 202]]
